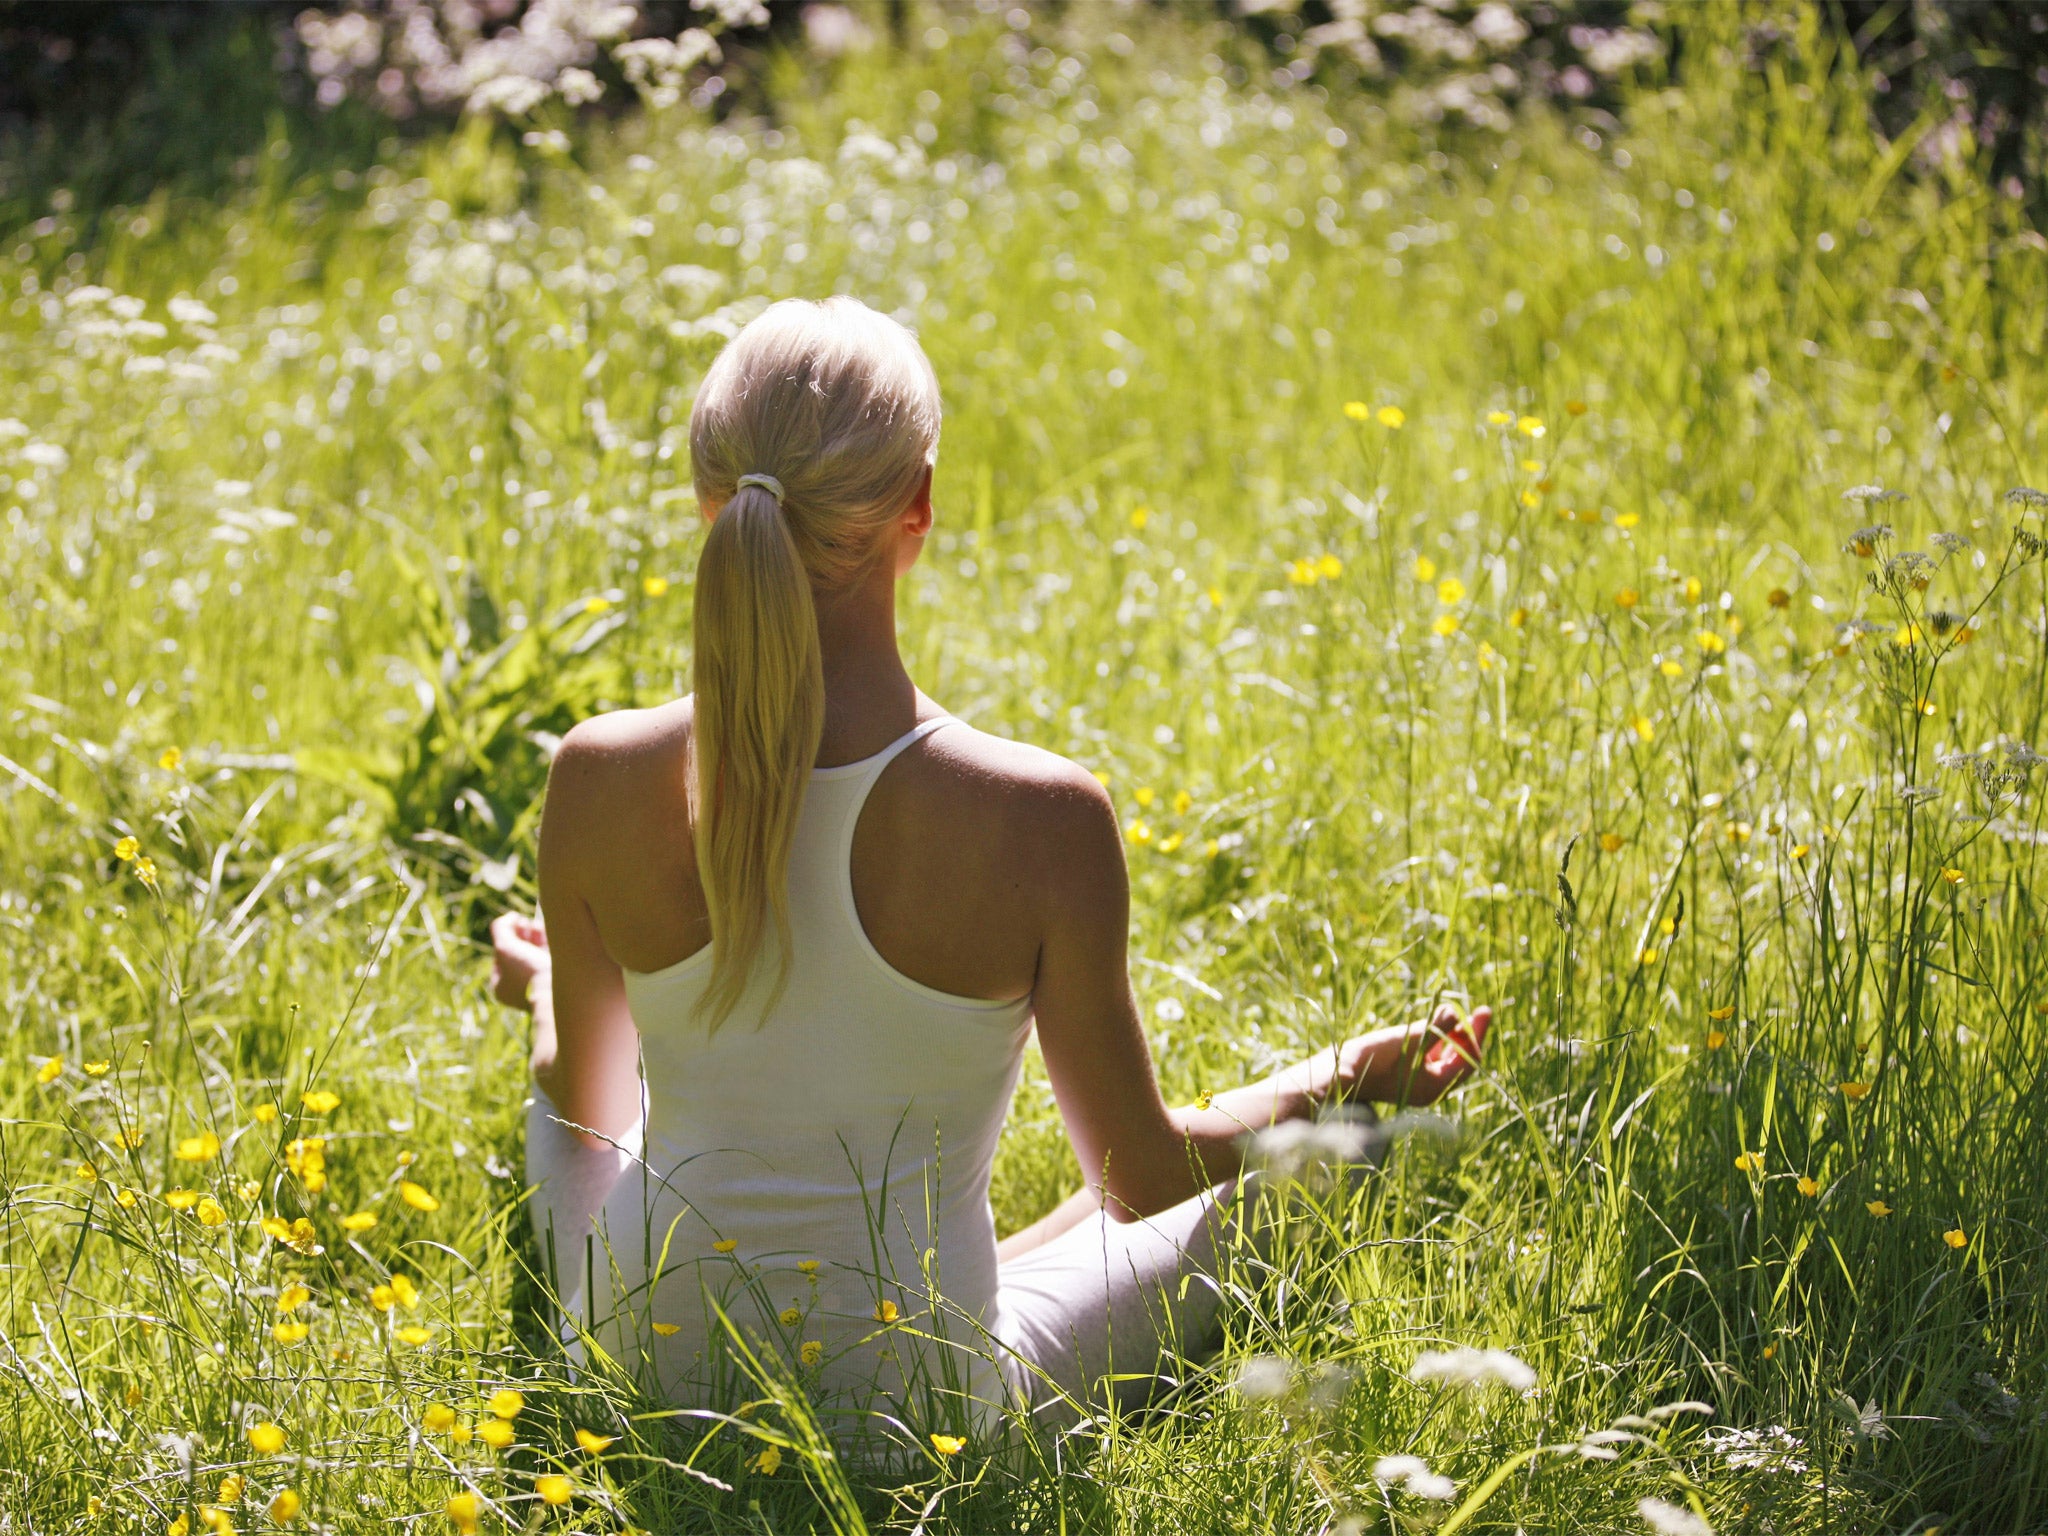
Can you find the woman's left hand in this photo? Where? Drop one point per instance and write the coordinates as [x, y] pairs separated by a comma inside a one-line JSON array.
[[519, 955], [1410, 1065]]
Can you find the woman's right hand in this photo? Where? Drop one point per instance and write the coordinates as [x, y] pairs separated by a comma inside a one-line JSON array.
[[1412, 1065]]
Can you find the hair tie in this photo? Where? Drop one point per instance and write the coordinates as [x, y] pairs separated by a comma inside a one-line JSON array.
[[767, 483]]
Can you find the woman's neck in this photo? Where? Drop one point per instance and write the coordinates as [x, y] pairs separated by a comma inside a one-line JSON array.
[[869, 697]]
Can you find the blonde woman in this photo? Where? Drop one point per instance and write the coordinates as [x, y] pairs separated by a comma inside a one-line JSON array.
[[799, 927]]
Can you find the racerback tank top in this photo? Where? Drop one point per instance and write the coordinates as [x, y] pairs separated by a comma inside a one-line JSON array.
[[821, 1175]]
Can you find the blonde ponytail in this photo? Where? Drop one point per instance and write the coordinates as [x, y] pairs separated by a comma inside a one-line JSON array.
[[810, 435]]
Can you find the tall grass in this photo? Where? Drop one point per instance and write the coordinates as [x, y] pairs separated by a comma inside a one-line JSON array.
[[1554, 675]]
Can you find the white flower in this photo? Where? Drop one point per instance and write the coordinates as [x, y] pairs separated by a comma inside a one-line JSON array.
[[579, 87], [1263, 1378], [91, 293], [1670, 1520], [1170, 1010], [45, 455], [1465, 1367], [189, 311], [1414, 1476], [735, 13], [1872, 493], [1767, 1450]]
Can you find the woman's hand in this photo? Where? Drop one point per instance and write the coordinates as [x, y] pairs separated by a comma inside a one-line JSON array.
[[1410, 1065], [519, 954]]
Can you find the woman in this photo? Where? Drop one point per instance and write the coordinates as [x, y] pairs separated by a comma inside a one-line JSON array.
[[819, 917]]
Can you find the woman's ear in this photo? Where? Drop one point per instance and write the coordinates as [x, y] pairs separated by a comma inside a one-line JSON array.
[[917, 517]]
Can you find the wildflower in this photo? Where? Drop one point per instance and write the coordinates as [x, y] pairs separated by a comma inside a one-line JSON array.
[[1643, 728], [885, 1312], [654, 586], [593, 1442], [1139, 832], [87, 1173], [597, 605], [1955, 1237], [230, 1489], [1611, 842], [1953, 876], [811, 1352], [1877, 1208], [290, 1333], [789, 1317], [1853, 1091], [264, 1114], [1801, 850], [1425, 568], [292, 1297], [1671, 1519], [464, 1511], [1726, 1011], [496, 1433], [1390, 416], [437, 1419], [125, 1198], [405, 1292], [1715, 1039], [1139, 518], [1302, 573], [320, 1101], [1450, 591], [1500, 418], [306, 1157], [807, 1266], [667, 1330], [126, 849], [1464, 1367], [1770, 1351], [1710, 642], [1627, 597], [248, 1189], [145, 871], [181, 1199], [286, 1506], [171, 761], [1750, 1162], [1329, 567], [268, 1438], [359, 1221], [417, 1196], [507, 1403], [381, 1298], [415, 1334], [209, 1212], [1534, 498], [2026, 496], [1414, 1477], [1532, 466], [203, 1148], [768, 1462], [1530, 427], [1809, 1186], [1907, 636], [1517, 618], [1446, 625], [949, 1445], [553, 1488], [1357, 410], [50, 1071], [1145, 795]]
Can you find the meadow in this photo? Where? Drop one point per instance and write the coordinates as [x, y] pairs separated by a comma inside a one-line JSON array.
[[1586, 569]]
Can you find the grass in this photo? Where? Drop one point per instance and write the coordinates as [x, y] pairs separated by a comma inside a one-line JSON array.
[[1612, 727]]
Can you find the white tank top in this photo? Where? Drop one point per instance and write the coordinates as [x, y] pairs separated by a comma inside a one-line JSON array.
[[823, 1175]]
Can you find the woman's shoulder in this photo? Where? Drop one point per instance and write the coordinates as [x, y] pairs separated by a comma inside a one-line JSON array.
[[1029, 798], [637, 748]]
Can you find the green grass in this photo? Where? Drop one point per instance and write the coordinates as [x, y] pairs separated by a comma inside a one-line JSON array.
[[1149, 293]]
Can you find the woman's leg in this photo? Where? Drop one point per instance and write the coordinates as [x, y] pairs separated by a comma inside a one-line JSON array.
[[1112, 1299]]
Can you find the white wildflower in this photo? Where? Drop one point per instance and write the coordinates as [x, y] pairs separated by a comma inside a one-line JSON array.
[[2027, 496], [1463, 1367], [1774, 1449], [1412, 1475], [1671, 1520], [91, 293], [1263, 1378], [189, 311], [1868, 493]]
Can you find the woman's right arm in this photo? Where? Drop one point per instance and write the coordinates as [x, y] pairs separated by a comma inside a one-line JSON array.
[[1139, 1155]]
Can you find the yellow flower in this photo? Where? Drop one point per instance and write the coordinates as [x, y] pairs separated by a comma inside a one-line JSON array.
[[415, 1333], [725, 1245], [807, 1266], [405, 1292], [1139, 832], [810, 1352], [417, 1196], [319, 1101], [1391, 416], [230, 1489], [1627, 597], [506, 1403], [381, 1297], [1532, 466], [1670, 668], [1518, 618], [464, 1512], [359, 1221], [1853, 1091], [1750, 1162], [437, 1418], [597, 605], [1693, 589], [1611, 842], [1952, 876], [203, 1148], [789, 1317], [1877, 1208], [1328, 566], [949, 1445], [1425, 568], [87, 1173], [1446, 625], [1140, 516], [286, 1506], [1926, 707], [654, 586], [1710, 642], [1726, 1011], [1801, 850], [1575, 407], [171, 761], [1301, 573], [1908, 636], [248, 1189], [1358, 410], [1500, 418], [1145, 795], [268, 1438], [1530, 426], [178, 1527], [145, 871], [1627, 520], [496, 1433], [768, 1462], [181, 1199], [1643, 728], [1955, 1237], [593, 1442], [1534, 498], [126, 849], [290, 1333], [1770, 1350], [1649, 956], [1715, 1039], [292, 1297], [125, 1198], [209, 1212], [553, 1488], [263, 1114], [1450, 590], [50, 1071], [886, 1312], [1808, 1185]]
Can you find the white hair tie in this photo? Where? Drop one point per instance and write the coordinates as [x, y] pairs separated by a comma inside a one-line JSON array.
[[767, 483]]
